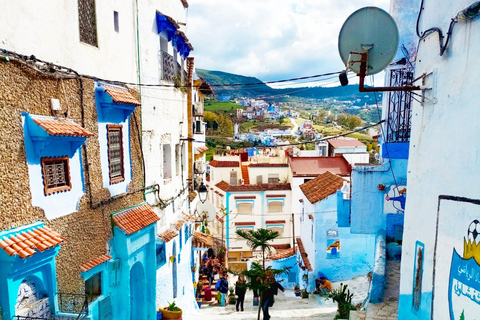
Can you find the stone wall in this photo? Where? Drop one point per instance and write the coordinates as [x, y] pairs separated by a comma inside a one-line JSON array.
[[87, 231]]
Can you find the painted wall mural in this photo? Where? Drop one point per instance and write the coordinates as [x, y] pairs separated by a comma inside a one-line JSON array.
[[458, 242], [397, 196], [333, 248]]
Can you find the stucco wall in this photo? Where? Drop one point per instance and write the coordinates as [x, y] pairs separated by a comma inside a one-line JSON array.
[[448, 118], [86, 230]]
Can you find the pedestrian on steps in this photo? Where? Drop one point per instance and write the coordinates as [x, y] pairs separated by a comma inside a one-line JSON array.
[[240, 290], [223, 288]]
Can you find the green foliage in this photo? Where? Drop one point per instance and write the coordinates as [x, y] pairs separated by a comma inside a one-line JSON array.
[[219, 107], [172, 307], [343, 298]]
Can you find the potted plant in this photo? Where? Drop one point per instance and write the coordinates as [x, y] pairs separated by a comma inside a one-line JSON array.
[[343, 298], [305, 294], [381, 186], [297, 290], [231, 296], [172, 311]]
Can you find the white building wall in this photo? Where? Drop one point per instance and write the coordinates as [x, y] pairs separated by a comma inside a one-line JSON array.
[[23, 24], [449, 117]]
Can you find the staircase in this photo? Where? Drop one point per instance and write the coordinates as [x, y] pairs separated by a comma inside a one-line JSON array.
[[213, 302], [245, 177]]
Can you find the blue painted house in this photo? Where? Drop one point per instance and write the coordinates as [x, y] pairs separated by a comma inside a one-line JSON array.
[[327, 245]]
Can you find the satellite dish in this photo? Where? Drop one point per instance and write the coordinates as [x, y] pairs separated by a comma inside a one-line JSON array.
[[206, 209], [370, 30]]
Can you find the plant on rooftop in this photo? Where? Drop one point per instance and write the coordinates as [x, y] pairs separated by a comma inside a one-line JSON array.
[[343, 298]]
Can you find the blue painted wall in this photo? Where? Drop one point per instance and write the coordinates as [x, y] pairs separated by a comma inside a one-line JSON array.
[[293, 273], [13, 270], [62, 203], [367, 211], [393, 220]]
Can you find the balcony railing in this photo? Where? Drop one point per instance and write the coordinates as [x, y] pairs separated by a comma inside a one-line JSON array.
[[73, 303], [398, 122]]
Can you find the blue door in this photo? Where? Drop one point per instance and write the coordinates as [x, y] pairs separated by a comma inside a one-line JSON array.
[[137, 292], [174, 269]]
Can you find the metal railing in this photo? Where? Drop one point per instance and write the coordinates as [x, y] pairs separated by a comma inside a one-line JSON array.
[[167, 67], [73, 303]]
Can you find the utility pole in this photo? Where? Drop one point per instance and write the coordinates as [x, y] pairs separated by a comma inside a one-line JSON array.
[[293, 233]]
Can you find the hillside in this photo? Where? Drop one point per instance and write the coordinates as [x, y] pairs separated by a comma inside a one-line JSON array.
[[250, 87]]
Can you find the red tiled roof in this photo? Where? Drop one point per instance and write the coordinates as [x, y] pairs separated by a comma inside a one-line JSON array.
[[25, 243], [345, 142], [95, 262], [192, 195], [168, 235], [322, 186], [179, 224], [281, 246], [188, 217], [202, 240], [224, 164], [121, 95], [135, 219], [62, 127], [304, 255], [282, 254], [313, 166], [268, 165], [253, 187]]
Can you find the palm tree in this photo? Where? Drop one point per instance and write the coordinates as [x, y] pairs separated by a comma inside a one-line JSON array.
[[258, 274]]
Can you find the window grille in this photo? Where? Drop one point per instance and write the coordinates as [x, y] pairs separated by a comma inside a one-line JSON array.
[[399, 113], [115, 153], [56, 175], [167, 66], [87, 22], [273, 178]]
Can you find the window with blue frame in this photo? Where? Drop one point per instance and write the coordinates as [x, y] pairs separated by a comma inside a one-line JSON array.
[[187, 233], [160, 255], [180, 235]]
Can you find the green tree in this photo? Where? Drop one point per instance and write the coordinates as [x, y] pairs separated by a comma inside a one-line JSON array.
[[462, 316], [260, 278]]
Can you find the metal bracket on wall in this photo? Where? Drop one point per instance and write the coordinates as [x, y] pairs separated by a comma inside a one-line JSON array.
[[429, 87]]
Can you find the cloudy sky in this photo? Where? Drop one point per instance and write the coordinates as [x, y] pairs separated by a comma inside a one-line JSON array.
[[270, 39]]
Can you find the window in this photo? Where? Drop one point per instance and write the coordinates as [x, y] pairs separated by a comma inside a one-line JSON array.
[[244, 229], [87, 22], [275, 206], [56, 175], [167, 162], [116, 25], [93, 287], [259, 179], [278, 229], [273, 178], [177, 159], [160, 255], [115, 153], [233, 178], [245, 207]]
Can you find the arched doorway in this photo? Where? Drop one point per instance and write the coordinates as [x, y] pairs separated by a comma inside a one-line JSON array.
[[174, 269], [137, 292], [32, 299]]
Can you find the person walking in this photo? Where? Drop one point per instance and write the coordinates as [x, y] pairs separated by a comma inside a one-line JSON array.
[[223, 288], [240, 290], [268, 296]]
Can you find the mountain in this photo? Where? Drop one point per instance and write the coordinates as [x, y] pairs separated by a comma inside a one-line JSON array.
[[237, 86]]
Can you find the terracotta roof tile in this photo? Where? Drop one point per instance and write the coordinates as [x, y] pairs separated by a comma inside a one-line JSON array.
[[95, 262], [282, 254], [322, 186], [253, 187], [202, 240], [188, 217], [168, 235], [192, 195], [62, 127], [27, 243], [179, 224], [313, 166], [224, 164], [120, 95], [135, 219], [304, 255], [268, 165]]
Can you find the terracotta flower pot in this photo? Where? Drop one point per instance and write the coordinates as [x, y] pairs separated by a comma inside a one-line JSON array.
[[167, 314]]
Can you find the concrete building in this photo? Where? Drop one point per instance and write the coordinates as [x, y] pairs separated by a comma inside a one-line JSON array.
[[352, 150]]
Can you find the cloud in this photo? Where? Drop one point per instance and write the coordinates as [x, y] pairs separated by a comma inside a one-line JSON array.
[[269, 39]]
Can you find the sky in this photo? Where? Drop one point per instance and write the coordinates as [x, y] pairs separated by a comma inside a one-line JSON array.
[[270, 39]]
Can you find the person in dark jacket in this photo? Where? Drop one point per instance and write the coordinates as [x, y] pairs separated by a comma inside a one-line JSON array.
[[223, 288], [268, 296], [240, 290]]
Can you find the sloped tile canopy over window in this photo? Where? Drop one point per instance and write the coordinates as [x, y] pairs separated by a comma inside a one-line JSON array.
[[50, 132], [180, 40], [115, 102], [165, 23]]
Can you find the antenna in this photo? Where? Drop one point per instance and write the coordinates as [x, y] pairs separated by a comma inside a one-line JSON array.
[[367, 43]]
